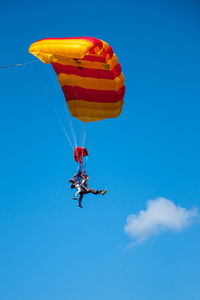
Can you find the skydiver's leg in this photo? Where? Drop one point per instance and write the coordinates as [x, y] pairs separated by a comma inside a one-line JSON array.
[[78, 191], [80, 199], [92, 191], [96, 192]]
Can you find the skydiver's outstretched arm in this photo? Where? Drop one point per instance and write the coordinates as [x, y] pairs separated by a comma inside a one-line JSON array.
[[73, 179]]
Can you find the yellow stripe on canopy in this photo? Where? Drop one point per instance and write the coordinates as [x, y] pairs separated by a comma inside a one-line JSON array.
[[91, 83], [93, 111], [89, 64], [49, 50]]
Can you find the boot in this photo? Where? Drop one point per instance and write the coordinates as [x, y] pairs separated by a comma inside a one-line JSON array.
[[103, 192]]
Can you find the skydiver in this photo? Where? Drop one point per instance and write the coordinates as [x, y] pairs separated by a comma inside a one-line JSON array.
[[76, 180], [85, 190]]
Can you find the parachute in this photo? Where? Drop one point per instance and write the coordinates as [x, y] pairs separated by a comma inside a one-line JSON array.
[[79, 153], [89, 74]]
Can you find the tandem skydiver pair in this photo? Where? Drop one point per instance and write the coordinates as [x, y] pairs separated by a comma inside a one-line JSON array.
[[80, 182], [80, 179]]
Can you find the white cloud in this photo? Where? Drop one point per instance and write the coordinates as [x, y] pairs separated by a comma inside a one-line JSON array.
[[161, 215]]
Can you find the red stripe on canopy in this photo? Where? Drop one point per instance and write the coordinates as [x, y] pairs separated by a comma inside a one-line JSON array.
[[94, 58], [83, 72], [78, 93], [86, 72]]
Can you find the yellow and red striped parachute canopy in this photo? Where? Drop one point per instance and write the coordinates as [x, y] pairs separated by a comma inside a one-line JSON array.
[[89, 75]]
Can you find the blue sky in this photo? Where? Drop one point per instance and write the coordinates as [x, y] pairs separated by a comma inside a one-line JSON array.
[[51, 249]]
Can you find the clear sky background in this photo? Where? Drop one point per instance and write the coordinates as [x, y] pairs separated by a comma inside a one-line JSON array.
[[51, 249]]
